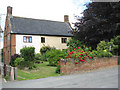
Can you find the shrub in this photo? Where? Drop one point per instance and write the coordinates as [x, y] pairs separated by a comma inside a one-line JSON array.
[[37, 56], [13, 58], [72, 43], [44, 49], [80, 54], [104, 53], [19, 62], [58, 69], [102, 46], [117, 40], [53, 56], [43, 57], [28, 53]]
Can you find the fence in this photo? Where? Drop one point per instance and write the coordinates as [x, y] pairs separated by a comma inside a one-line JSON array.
[[68, 66], [9, 72]]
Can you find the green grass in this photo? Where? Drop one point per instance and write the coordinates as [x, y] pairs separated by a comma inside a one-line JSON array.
[[42, 71]]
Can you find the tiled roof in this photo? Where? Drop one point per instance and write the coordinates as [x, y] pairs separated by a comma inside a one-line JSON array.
[[37, 26]]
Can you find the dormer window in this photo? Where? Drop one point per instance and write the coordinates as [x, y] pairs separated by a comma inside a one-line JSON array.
[[27, 39]]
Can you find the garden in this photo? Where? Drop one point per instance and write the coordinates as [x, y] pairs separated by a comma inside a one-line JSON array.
[[49, 61]]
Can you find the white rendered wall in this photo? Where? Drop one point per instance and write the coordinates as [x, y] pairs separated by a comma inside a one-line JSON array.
[[20, 44]]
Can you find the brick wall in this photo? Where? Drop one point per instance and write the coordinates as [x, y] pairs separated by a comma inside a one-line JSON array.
[[68, 66], [9, 42]]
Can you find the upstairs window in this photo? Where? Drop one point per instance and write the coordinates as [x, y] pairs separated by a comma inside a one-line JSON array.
[[42, 39], [27, 39], [64, 40]]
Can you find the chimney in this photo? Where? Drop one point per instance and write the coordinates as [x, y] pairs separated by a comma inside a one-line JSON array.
[[66, 18], [9, 10]]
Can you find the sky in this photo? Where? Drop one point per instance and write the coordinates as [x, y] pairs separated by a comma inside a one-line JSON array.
[[43, 9]]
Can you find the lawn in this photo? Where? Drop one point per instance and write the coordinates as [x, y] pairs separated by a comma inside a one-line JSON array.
[[42, 71]]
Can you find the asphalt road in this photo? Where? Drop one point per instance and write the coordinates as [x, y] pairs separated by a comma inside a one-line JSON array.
[[105, 78]]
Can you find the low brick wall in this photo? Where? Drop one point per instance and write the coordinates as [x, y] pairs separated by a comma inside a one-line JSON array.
[[68, 66]]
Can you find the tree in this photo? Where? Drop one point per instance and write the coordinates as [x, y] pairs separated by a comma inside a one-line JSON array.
[[100, 21]]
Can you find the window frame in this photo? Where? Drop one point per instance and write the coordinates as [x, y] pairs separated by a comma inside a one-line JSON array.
[[27, 37], [42, 41], [63, 40]]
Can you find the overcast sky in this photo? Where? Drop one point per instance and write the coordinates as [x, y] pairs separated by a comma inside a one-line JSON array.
[[43, 9]]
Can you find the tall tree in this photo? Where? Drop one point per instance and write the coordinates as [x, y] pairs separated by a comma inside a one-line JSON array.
[[100, 21]]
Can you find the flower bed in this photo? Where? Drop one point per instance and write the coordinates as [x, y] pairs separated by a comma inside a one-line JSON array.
[[68, 66]]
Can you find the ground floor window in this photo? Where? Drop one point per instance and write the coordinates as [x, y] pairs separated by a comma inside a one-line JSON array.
[[64, 40], [42, 39]]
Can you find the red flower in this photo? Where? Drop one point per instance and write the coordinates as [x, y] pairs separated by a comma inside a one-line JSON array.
[[58, 64], [78, 47], [84, 58], [80, 54], [73, 49], [57, 61], [66, 57], [67, 53], [82, 51], [90, 57], [79, 57], [76, 55], [76, 63]]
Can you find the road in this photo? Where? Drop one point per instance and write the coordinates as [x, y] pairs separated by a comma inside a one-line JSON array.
[[105, 78]]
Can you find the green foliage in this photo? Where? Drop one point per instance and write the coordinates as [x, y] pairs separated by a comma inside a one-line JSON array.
[[44, 49], [117, 40], [58, 69], [43, 57], [28, 53], [2, 55], [13, 58], [100, 21], [38, 56], [19, 62], [104, 54], [102, 46], [80, 54], [53, 56], [106, 46], [72, 43]]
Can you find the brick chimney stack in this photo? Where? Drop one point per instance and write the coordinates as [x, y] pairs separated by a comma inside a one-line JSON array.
[[9, 10], [66, 18]]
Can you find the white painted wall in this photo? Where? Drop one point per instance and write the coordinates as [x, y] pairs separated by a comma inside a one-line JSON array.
[[20, 44]]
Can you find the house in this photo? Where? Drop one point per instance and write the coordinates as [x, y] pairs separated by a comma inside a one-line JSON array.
[[20, 32]]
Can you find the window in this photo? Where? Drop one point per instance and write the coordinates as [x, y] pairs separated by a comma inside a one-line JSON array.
[[27, 39], [64, 40], [42, 39]]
